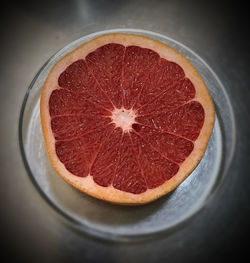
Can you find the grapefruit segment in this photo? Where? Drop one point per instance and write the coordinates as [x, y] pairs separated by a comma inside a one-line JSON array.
[[72, 155], [155, 168], [78, 154], [125, 118], [63, 102], [106, 65], [185, 121], [79, 80], [162, 77], [84, 119], [173, 97], [173, 147], [128, 177], [105, 165], [139, 66]]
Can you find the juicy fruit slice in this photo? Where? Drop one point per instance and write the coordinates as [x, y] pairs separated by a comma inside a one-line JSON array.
[[125, 118]]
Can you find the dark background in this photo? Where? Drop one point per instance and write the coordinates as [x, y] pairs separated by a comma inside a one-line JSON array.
[[32, 31]]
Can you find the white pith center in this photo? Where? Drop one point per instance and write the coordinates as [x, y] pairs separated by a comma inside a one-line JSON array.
[[123, 118]]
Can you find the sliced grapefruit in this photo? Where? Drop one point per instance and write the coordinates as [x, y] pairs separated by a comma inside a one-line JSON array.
[[125, 118]]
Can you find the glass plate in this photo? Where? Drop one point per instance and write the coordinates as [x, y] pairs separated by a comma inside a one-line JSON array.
[[115, 222]]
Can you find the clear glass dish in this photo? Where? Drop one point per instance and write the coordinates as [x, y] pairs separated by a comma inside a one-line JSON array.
[[115, 222]]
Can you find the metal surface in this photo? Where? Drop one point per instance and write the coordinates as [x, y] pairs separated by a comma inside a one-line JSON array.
[[33, 32]]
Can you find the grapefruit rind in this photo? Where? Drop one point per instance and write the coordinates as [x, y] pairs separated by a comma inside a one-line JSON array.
[[87, 184]]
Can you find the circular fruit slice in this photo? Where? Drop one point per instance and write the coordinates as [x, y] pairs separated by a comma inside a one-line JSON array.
[[125, 118]]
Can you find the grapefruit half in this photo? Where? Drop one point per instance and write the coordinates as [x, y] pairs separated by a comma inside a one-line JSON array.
[[125, 118]]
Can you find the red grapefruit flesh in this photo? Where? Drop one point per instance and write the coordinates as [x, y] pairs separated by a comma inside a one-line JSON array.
[[125, 118]]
